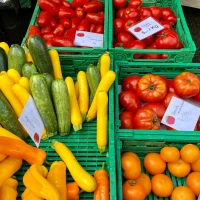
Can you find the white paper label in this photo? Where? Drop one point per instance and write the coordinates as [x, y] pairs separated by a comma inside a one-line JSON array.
[[84, 38], [181, 115], [31, 121], [145, 28], [198, 198]]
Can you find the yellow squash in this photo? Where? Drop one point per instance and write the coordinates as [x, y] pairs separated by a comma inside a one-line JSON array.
[[104, 63], [24, 81], [4, 46], [14, 75]]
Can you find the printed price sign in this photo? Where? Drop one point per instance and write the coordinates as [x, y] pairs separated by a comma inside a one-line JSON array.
[[31, 121], [145, 28], [181, 115], [88, 39]]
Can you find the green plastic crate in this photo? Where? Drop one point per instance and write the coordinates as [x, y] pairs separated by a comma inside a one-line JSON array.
[[25, 3], [82, 143], [169, 70], [84, 51], [184, 55], [141, 148]]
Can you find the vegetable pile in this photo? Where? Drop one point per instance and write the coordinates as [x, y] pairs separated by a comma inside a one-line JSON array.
[[180, 163], [144, 100], [126, 17], [58, 20]]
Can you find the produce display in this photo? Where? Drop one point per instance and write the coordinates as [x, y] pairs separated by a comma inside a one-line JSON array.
[[144, 100], [159, 174]]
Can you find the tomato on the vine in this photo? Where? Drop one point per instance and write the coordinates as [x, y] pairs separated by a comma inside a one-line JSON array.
[[129, 83], [126, 118]]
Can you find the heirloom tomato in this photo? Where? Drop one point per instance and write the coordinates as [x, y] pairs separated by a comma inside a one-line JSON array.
[[151, 88], [193, 182], [183, 193], [186, 84], [146, 119], [168, 98], [129, 83], [170, 154], [126, 119]]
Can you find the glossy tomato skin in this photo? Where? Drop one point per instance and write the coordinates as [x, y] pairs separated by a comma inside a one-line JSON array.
[[145, 181], [158, 108], [151, 88], [128, 24], [166, 24], [129, 83], [136, 44], [132, 190], [119, 3], [166, 12], [171, 86], [146, 119], [183, 193], [156, 12], [193, 182], [145, 13], [124, 38], [196, 165], [119, 13], [149, 40], [118, 25], [131, 13], [130, 101], [170, 154], [180, 45], [135, 4], [168, 98], [126, 119], [186, 84]]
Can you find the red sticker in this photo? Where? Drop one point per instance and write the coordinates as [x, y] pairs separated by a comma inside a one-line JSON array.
[[36, 137], [170, 120], [137, 29], [80, 34]]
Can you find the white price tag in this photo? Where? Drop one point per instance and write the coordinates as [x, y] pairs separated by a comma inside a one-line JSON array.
[[181, 115], [31, 121], [84, 38], [145, 28], [198, 198]]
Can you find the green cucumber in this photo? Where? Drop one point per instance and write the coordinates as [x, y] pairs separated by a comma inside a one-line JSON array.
[[8, 118], [28, 69], [43, 103], [49, 80], [3, 60], [39, 52], [93, 77], [62, 105], [16, 58]]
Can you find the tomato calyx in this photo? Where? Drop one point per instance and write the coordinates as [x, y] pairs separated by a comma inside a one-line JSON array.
[[155, 120], [132, 182], [152, 87]]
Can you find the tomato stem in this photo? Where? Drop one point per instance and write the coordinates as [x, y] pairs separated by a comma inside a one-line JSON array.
[[152, 87]]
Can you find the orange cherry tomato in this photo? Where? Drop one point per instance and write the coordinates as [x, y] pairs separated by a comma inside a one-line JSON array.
[[183, 193], [196, 165], [130, 165], [193, 182], [162, 185], [170, 154], [189, 153], [179, 169], [145, 181], [133, 190], [154, 164]]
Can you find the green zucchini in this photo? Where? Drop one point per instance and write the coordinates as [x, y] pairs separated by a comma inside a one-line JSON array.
[[28, 69], [8, 118], [62, 105], [43, 103], [16, 58], [93, 77], [3, 60], [39, 52], [49, 80]]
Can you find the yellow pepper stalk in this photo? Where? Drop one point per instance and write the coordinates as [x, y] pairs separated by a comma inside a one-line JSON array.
[[8, 167], [34, 179], [28, 195], [8, 191], [57, 176]]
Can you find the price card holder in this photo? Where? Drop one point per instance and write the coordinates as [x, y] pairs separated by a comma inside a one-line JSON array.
[[145, 28], [84, 38], [181, 115], [31, 121]]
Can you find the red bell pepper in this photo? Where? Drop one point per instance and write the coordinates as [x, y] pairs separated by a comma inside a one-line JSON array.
[[59, 30], [66, 12], [49, 6], [78, 3], [80, 13], [61, 41], [43, 18], [33, 30], [95, 18], [65, 22], [84, 25], [93, 6]]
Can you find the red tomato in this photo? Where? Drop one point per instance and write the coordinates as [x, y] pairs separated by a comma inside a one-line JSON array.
[[128, 24], [129, 83], [66, 12], [78, 3], [151, 88], [57, 2], [149, 40], [168, 39], [136, 44], [49, 43], [126, 119], [93, 6], [164, 79], [66, 4], [144, 13], [53, 23], [61, 41], [146, 119], [59, 30], [166, 12], [84, 25], [196, 98], [93, 28], [96, 18], [135, 4], [46, 29], [120, 13], [171, 86], [165, 24], [180, 45], [124, 38], [43, 18], [129, 100], [99, 29], [75, 22], [156, 12], [158, 108], [187, 84], [172, 19], [164, 56], [47, 36], [153, 55], [118, 25], [119, 3], [48, 6], [65, 22], [168, 98], [131, 13], [80, 13]]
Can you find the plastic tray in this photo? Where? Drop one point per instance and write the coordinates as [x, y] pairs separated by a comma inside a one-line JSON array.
[[184, 55], [84, 51], [141, 148], [169, 70], [82, 143]]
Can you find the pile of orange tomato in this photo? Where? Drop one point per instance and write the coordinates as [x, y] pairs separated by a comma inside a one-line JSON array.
[[180, 163]]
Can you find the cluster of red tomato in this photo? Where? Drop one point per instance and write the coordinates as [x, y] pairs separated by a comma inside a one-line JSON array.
[[156, 92], [125, 18], [59, 20], [138, 185]]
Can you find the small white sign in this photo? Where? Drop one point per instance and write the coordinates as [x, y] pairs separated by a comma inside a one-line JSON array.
[[145, 28], [198, 198], [181, 115], [31, 121], [84, 38]]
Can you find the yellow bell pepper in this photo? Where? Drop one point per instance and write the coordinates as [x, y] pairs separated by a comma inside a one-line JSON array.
[[34, 179], [8, 191], [28, 195], [57, 176], [2, 157]]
